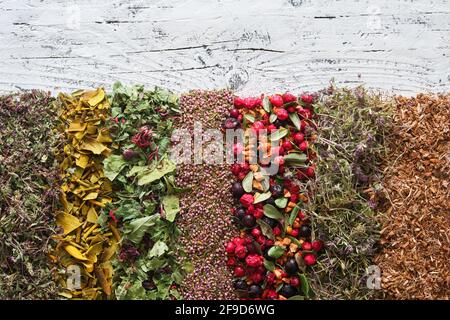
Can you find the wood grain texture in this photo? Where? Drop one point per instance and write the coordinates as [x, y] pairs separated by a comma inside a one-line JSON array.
[[250, 46]]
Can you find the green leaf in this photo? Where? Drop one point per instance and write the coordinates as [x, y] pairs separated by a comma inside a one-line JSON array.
[[249, 117], [272, 117], [276, 252], [265, 183], [136, 229], [265, 229], [297, 297], [112, 166], [277, 135], [188, 267], [269, 265], [304, 284], [272, 212], [295, 240], [295, 120], [171, 205], [247, 183], [295, 159], [293, 215], [166, 166], [136, 170], [281, 202], [267, 105], [125, 292], [158, 249], [260, 197]]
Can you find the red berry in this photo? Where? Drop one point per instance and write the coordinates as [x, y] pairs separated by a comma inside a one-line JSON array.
[[282, 114], [306, 246], [246, 200], [269, 242], [287, 145], [245, 167], [234, 113], [289, 97], [291, 109], [271, 128], [299, 137], [303, 146], [270, 277], [239, 272], [231, 261], [301, 215], [235, 168], [301, 176], [310, 259], [293, 188], [254, 260], [240, 252], [295, 281], [256, 232], [272, 295], [317, 245], [294, 233], [256, 277], [240, 117], [293, 198], [258, 214], [307, 98], [276, 231], [305, 113], [230, 246], [238, 241], [276, 100], [238, 102], [261, 240], [310, 172], [303, 125], [257, 126], [241, 175]]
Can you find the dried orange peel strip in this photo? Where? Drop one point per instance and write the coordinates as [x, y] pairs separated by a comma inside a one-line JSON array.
[[84, 250]]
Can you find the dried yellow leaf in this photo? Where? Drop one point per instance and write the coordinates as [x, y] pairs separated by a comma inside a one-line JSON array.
[[68, 222], [76, 126], [74, 252], [93, 145], [91, 196], [92, 215], [82, 161], [97, 98]]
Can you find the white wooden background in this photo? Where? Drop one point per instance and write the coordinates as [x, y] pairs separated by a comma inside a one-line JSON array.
[[251, 46]]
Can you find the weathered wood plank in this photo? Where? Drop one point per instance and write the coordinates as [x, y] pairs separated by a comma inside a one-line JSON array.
[[251, 46]]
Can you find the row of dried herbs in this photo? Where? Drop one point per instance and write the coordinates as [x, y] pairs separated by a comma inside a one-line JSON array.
[[84, 250], [146, 202], [351, 145], [28, 194]]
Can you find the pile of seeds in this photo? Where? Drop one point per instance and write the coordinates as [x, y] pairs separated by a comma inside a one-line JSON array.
[[28, 194], [415, 237], [205, 220]]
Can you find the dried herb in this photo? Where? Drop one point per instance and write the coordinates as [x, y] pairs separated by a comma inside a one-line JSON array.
[[351, 145], [147, 203], [85, 190], [28, 194], [416, 248]]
